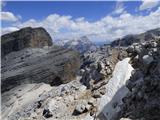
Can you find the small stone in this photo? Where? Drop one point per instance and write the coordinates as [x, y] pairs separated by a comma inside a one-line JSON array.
[[38, 111], [108, 71], [80, 108], [103, 72], [130, 49], [140, 95], [39, 104], [47, 113], [75, 97], [91, 101], [153, 44], [107, 63], [88, 107], [147, 59], [96, 94], [154, 50], [93, 111], [33, 115], [81, 72], [102, 90], [102, 65], [137, 49]]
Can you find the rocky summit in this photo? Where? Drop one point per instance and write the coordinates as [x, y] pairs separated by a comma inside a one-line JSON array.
[[139, 38], [110, 83], [25, 38]]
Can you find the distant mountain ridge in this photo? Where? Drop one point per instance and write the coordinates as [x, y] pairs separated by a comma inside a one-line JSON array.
[[137, 38], [80, 44]]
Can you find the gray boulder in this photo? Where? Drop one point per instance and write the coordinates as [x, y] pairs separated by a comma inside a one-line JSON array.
[[147, 59], [80, 108]]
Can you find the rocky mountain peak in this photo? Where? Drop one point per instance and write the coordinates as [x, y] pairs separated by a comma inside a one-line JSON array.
[[25, 38], [81, 44], [153, 34]]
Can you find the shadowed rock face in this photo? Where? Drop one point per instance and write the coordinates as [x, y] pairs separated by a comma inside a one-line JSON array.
[[24, 38], [142, 102], [25, 60]]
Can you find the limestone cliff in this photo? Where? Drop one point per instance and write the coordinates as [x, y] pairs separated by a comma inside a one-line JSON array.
[[24, 38]]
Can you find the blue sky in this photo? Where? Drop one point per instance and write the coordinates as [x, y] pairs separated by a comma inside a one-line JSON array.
[[92, 11], [95, 19]]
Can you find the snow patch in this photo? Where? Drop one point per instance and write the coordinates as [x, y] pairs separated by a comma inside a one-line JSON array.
[[115, 89]]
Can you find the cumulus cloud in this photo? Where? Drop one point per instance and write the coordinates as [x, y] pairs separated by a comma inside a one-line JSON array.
[[9, 29], [8, 16], [149, 4], [107, 28]]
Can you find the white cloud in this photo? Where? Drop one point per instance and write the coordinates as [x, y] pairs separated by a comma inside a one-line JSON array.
[[108, 28], [119, 8], [8, 16], [9, 29], [149, 4]]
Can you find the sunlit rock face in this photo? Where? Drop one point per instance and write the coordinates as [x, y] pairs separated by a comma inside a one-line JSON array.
[[43, 102], [24, 38]]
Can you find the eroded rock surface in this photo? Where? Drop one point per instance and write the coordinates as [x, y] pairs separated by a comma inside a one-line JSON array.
[[54, 65]]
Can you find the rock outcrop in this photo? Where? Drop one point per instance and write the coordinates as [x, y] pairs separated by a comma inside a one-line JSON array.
[[50, 64], [25, 38], [142, 102]]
